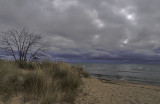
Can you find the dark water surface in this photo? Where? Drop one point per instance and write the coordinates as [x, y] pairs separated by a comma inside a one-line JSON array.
[[128, 72]]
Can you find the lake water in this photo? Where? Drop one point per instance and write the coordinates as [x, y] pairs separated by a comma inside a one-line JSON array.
[[128, 72]]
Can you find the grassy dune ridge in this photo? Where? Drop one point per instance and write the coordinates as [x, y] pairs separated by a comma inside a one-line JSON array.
[[39, 83]]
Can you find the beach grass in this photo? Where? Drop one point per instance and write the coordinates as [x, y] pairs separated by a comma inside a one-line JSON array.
[[44, 82]]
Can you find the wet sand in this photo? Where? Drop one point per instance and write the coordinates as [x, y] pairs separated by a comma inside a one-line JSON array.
[[96, 91]]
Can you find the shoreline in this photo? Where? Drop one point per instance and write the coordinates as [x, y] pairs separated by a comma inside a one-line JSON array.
[[112, 80], [98, 91], [128, 83]]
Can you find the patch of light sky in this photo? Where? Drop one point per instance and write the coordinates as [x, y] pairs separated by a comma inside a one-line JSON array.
[[64, 4], [96, 20], [127, 38], [130, 16], [96, 38]]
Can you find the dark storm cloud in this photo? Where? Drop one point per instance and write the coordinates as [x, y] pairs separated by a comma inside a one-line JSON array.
[[90, 28]]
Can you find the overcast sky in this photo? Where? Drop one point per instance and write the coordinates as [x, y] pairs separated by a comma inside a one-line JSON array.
[[90, 29]]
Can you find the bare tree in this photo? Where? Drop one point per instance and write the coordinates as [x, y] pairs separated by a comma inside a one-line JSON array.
[[23, 45]]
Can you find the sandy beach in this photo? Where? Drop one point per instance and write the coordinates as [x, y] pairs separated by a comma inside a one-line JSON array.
[[96, 91]]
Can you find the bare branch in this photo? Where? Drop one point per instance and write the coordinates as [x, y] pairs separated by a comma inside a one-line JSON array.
[[22, 45]]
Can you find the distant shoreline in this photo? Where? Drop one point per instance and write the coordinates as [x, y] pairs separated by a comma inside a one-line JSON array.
[[112, 80]]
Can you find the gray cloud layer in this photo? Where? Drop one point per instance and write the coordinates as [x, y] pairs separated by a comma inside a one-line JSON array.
[[89, 28]]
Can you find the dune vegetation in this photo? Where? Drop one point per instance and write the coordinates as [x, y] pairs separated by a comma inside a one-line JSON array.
[[39, 83]]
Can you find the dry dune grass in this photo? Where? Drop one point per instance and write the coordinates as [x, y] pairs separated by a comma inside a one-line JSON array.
[[39, 83]]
